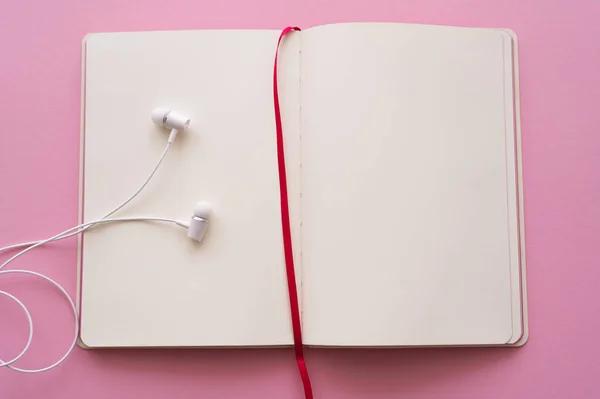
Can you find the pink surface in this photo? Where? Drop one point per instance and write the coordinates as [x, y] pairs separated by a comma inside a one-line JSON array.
[[560, 83]]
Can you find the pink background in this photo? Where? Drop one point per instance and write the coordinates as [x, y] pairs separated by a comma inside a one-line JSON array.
[[560, 82]]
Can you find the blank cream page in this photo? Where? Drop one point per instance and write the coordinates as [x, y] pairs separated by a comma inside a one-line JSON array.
[[408, 188], [145, 284]]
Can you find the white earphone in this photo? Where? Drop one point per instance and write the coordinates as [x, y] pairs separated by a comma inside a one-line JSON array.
[[171, 120], [196, 230], [199, 222]]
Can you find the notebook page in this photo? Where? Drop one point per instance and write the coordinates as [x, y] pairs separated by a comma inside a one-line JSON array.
[[149, 285], [408, 236], [514, 186]]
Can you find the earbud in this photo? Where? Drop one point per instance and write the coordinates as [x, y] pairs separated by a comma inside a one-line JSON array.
[[199, 222], [171, 120]]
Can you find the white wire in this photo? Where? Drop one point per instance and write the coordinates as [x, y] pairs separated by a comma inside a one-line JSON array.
[[75, 315], [79, 228], [14, 298], [85, 226], [66, 234], [160, 160]]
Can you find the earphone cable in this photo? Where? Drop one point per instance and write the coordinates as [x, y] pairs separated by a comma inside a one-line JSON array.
[[28, 246], [78, 229], [118, 208]]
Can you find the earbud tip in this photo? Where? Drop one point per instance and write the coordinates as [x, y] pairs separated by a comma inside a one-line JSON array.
[[158, 115], [202, 209]]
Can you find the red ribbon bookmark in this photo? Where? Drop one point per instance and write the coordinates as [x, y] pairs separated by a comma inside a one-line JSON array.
[[287, 234]]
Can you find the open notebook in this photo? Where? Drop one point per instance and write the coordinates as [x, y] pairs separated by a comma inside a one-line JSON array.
[[403, 161]]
